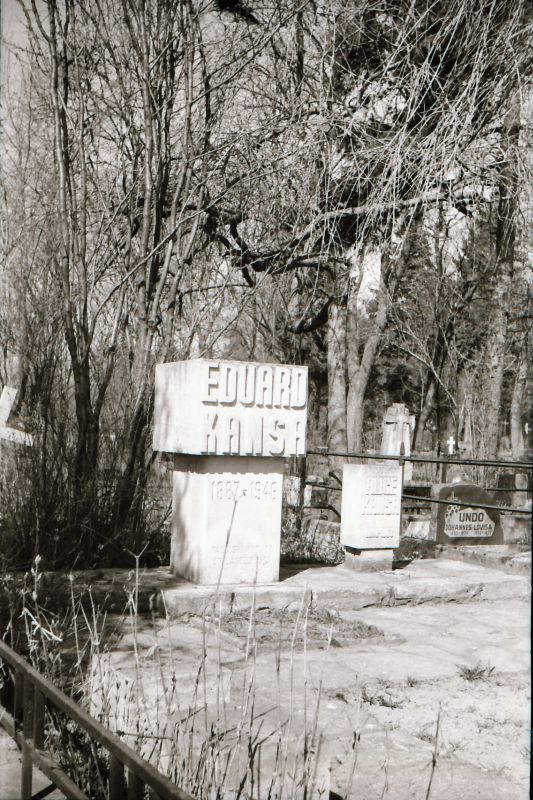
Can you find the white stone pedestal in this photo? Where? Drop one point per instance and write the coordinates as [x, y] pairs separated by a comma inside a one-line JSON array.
[[226, 519], [371, 514]]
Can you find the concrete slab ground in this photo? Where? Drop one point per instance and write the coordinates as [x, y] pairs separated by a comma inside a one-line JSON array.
[[439, 674], [10, 764]]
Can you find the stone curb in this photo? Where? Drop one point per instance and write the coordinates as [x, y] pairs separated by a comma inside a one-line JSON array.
[[494, 557], [444, 579], [348, 592]]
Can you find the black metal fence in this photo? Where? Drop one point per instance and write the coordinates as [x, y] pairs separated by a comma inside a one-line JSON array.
[[26, 723], [444, 461]]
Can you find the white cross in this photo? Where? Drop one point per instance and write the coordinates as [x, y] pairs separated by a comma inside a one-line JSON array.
[[451, 446], [11, 434]]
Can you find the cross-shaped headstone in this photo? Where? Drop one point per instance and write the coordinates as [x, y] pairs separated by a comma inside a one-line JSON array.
[[11, 434], [451, 446]]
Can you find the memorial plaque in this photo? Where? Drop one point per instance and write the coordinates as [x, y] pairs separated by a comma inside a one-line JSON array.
[[371, 505], [466, 523], [230, 408]]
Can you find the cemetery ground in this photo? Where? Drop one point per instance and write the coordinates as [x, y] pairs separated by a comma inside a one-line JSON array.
[[409, 684]]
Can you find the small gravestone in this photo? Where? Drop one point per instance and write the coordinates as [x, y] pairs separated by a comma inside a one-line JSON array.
[[229, 426], [292, 492], [371, 514], [463, 522], [371, 498]]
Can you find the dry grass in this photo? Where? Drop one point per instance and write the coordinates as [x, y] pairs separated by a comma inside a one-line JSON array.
[[477, 672], [211, 740]]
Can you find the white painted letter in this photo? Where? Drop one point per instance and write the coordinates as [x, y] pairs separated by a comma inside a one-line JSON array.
[[276, 434], [299, 439], [231, 440], [282, 390], [252, 438]]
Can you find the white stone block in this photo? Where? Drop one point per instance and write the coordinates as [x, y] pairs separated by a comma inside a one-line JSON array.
[[7, 398], [231, 408], [226, 519], [15, 436], [371, 505]]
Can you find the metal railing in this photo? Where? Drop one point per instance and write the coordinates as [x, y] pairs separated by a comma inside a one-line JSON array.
[[444, 460], [323, 451], [129, 773]]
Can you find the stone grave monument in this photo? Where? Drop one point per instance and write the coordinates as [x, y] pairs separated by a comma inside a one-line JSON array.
[[372, 498], [371, 514], [464, 523], [229, 426], [397, 427]]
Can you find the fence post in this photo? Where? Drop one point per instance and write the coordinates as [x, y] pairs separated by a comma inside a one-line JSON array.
[[401, 462], [117, 783], [135, 787], [27, 733], [38, 719], [18, 703]]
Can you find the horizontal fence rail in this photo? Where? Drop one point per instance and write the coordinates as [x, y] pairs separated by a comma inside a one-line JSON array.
[[501, 509], [424, 500], [26, 725], [450, 460]]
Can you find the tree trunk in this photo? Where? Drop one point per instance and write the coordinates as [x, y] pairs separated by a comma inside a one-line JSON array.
[[336, 360], [427, 408], [390, 275], [464, 412], [505, 239], [519, 387], [354, 407]]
